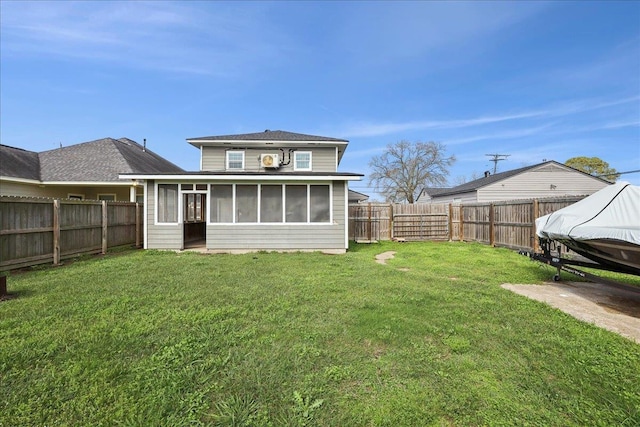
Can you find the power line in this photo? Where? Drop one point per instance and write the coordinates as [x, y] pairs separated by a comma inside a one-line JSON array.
[[496, 158]]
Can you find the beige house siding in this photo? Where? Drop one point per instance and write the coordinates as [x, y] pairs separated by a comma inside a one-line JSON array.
[[160, 236], [323, 159], [456, 198], [547, 181], [10, 188]]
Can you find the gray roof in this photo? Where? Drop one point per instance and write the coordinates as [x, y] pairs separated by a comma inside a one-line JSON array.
[[357, 196], [19, 163], [101, 160], [269, 135], [484, 181], [434, 191]]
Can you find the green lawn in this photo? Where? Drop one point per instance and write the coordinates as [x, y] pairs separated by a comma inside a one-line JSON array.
[[152, 338]]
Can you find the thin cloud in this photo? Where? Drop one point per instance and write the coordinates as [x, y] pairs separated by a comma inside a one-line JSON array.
[[509, 134], [379, 129], [574, 107], [217, 40], [383, 32]]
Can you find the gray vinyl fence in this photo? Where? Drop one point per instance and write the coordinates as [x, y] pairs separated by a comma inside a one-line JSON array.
[[38, 231], [508, 224]]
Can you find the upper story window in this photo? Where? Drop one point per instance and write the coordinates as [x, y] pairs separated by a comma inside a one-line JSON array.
[[302, 161], [235, 160]]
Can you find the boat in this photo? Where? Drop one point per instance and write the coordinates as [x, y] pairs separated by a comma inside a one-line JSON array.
[[603, 227]]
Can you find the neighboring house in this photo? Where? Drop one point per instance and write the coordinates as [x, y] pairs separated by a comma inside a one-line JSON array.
[[548, 179], [356, 197], [82, 171], [428, 193], [271, 190]]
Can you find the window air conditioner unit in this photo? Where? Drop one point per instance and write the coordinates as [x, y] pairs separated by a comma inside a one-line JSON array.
[[269, 161]]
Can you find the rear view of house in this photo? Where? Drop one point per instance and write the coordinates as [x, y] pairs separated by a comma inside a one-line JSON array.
[[271, 190]]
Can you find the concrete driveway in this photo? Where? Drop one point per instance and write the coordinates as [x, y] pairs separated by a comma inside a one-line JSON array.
[[614, 309]]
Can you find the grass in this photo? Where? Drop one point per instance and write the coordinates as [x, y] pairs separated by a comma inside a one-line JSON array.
[[172, 339]]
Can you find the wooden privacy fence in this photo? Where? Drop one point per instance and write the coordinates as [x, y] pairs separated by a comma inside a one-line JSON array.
[[383, 221], [510, 224], [37, 231], [371, 221]]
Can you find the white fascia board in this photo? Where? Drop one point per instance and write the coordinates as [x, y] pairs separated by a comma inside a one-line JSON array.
[[20, 180], [236, 143], [243, 177], [90, 183], [70, 183]]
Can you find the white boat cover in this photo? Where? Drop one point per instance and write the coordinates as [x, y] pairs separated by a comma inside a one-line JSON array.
[[611, 213]]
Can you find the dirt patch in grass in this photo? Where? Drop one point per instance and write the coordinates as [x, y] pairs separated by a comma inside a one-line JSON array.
[[383, 257], [614, 309]]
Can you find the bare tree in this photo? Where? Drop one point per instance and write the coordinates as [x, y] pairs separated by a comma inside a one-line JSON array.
[[461, 179], [400, 173]]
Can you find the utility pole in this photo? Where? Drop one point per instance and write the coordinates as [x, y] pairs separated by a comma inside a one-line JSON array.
[[495, 158]]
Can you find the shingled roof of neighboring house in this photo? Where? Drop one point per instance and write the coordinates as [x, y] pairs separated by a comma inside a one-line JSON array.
[[434, 191], [269, 135], [101, 160], [19, 163], [490, 179], [355, 196]]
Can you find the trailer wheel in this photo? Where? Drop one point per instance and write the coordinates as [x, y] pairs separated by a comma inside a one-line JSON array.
[[556, 278]]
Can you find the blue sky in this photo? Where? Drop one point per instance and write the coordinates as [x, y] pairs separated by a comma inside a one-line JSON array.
[[535, 80]]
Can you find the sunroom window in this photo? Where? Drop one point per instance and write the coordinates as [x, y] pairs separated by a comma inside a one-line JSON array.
[[270, 203], [319, 203], [221, 203], [168, 203], [296, 203], [246, 203]]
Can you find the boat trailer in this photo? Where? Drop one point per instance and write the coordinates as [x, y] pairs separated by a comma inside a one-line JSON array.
[[552, 255]]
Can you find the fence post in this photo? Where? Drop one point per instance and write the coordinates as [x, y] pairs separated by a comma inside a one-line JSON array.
[[450, 222], [56, 231], [391, 222], [138, 225], [536, 213], [370, 224], [492, 230], [461, 225], [3, 285], [105, 228]]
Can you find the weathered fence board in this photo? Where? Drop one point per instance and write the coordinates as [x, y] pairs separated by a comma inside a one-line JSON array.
[[508, 224], [370, 222], [421, 222], [36, 231]]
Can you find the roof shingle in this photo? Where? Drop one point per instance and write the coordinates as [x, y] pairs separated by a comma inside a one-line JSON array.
[[101, 160], [269, 135], [19, 163]]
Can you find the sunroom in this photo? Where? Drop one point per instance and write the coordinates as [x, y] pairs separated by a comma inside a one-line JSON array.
[[247, 212]]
